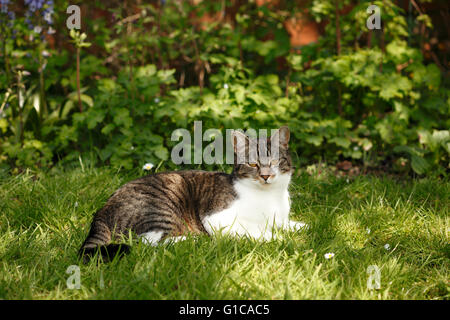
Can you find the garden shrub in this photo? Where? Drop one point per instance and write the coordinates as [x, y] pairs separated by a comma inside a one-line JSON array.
[[367, 96]]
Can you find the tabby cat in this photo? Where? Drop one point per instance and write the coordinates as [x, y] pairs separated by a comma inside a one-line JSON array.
[[250, 201]]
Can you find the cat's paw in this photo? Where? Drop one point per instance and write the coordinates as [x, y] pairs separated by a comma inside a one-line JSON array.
[[297, 225], [172, 240]]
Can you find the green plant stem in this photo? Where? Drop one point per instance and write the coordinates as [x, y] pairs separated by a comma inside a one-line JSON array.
[[339, 99], [338, 51], [42, 101], [80, 106], [6, 57], [19, 135], [383, 47]]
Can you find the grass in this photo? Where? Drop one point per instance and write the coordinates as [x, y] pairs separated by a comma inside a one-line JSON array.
[[45, 217]]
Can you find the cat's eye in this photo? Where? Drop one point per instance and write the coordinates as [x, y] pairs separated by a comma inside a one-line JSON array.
[[253, 165]]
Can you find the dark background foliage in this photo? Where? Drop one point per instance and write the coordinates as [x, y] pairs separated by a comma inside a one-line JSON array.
[[114, 92]]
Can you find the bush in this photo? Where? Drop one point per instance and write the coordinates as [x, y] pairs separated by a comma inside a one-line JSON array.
[[366, 96]]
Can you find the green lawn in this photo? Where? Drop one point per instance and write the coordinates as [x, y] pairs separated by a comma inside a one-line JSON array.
[[45, 217]]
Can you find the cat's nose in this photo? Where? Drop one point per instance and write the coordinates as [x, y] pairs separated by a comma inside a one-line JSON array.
[[265, 177]]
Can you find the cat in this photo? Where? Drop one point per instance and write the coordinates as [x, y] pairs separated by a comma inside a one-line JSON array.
[[165, 206]]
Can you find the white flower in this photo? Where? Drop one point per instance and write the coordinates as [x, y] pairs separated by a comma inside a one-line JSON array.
[[51, 30], [225, 86], [37, 29], [387, 246], [329, 255], [156, 100], [48, 17], [76, 204], [368, 230], [148, 166]]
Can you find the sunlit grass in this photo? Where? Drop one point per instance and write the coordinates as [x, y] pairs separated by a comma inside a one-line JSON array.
[[45, 217]]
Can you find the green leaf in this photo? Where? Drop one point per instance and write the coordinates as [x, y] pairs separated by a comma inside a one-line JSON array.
[[3, 125], [296, 61], [315, 140], [441, 136], [272, 79], [94, 118], [419, 164], [66, 109], [264, 47], [146, 71], [239, 92], [166, 76], [88, 100], [108, 128], [429, 75], [341, 142], [161, 152], [122, 118]]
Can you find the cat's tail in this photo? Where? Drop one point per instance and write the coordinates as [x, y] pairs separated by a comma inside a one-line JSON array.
[[98, 243]]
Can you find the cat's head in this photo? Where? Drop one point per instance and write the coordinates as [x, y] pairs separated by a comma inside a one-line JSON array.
[[262, 161]]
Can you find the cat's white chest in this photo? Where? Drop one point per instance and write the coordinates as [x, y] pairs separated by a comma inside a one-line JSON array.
[[255, 211]]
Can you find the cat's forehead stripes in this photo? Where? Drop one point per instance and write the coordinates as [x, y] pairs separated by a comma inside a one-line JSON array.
[[261, 151]]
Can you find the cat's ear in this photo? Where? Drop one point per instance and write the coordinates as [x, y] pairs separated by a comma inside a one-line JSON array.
[[240, 141], [281, 136]]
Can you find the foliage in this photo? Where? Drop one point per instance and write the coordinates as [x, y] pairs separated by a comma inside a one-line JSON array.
[[367, 96]]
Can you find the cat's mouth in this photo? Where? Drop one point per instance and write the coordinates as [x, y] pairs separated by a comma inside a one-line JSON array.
[[265, 182]]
